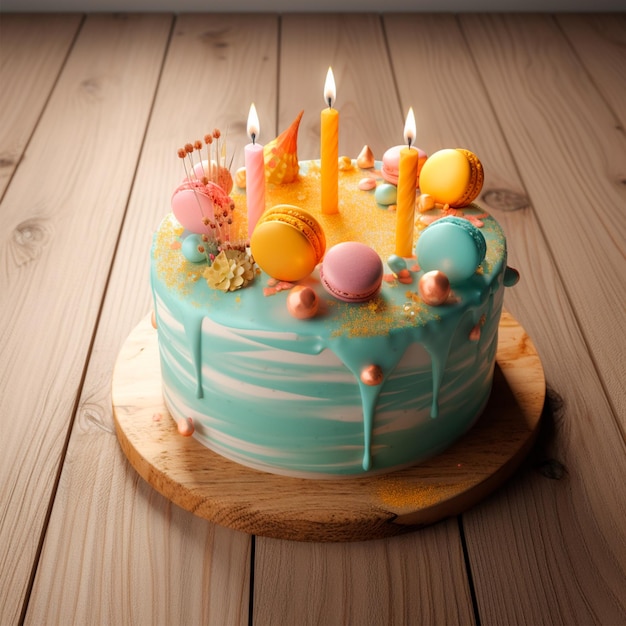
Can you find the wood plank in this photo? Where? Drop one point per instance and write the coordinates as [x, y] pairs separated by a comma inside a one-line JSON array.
[[330, 583], [142, 558], [541, 550], [58, 238], [32, 53], [374, 582], [570, 150], [600, 42]]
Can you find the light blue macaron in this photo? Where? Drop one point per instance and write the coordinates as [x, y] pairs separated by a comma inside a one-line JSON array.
[[453, 246]]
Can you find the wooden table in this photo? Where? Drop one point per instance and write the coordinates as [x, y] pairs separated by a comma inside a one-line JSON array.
[[92, 110]]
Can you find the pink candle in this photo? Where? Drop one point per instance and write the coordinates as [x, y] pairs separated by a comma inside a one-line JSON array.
[[255, 173]]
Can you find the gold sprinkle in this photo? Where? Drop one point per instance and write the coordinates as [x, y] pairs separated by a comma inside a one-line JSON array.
[[402, 496]]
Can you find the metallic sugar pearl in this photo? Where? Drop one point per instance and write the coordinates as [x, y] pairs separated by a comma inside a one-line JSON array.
[[240, 178], [475, 333], [302, 302], [425, 202], [185, 426], [372, 375], [365, 160], [434, 288], [345, 163]]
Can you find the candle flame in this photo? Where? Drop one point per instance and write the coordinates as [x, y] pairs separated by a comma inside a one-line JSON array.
[[253, 123], [410, 129], [330, 91]]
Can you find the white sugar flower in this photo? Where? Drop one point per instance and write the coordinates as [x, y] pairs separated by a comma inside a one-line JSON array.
[[230, 270]]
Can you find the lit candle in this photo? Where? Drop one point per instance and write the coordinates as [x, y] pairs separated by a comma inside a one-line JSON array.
[[255, 172], [407, 182], [330, 149]]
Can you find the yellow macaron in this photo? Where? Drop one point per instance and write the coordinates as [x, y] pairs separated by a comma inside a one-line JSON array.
[[452, 176], [287, 243]]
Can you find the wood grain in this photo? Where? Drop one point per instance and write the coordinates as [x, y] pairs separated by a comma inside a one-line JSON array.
[[159, 564], [32, 53], [600, 43], [58, 239], [572, 169], [517, 579], [400, 580]]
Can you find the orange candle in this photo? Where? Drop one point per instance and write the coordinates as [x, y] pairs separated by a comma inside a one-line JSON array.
[[329, 152], [407, 182]]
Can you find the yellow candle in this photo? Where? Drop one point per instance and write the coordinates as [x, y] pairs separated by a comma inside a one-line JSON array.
[[407, 183], [329, 152]]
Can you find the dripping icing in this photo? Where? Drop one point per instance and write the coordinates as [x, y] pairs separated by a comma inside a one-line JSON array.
[[251, 311]]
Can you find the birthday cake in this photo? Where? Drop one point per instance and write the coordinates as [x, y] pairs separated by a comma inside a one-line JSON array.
[[308, 342]]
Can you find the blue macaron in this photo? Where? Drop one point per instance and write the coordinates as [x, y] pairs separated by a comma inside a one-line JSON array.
[[452, 245]]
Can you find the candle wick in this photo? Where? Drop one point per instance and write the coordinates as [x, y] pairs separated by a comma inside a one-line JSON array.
[[330, 103], [253, 135], [410, 141]]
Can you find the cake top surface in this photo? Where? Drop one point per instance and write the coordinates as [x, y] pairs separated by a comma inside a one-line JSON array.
[[360, 218]]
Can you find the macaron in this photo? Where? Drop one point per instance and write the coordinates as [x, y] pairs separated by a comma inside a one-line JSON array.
[[391, 163], [453, 246], [352, 272], [287, 243], [452, 176], [191, 204]]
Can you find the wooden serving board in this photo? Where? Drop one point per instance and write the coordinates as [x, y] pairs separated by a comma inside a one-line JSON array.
[[346, 509]]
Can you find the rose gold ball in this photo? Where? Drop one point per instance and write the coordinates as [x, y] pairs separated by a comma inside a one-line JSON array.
[[185, 426], [475, 333], [302, 302], [434, 288], [372, 375]]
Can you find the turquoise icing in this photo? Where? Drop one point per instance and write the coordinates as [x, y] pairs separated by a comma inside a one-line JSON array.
[[284, 395], [193, 327], [511, 277]]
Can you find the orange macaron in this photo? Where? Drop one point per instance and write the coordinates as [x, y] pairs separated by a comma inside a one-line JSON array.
[[287, 243], [452, 176]]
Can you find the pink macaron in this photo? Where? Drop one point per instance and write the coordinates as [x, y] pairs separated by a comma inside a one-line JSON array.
[[191, 204], [352, 272], [194, 202], [391, 163]]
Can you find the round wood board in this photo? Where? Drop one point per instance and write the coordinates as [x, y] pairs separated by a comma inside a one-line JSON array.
[[346, 509]]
